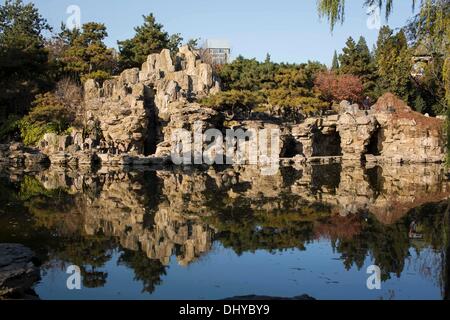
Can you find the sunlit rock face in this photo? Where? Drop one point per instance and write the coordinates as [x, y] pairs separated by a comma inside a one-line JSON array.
[[138, 112], [389, 132], [185, 118], [132, 109], [405, 135]]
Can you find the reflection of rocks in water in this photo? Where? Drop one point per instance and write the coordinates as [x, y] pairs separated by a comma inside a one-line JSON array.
[[171, 231], [388, 192], [175, 201], [407, 187], [121, 204], [155, 215]]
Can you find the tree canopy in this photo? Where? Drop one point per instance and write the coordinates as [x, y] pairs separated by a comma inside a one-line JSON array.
[[84, 53], [149, 38], [23, 57]]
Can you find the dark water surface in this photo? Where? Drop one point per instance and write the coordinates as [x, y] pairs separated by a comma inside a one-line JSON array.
[[224, 232]]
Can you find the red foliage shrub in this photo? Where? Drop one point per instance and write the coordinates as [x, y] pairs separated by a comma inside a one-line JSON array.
[[335, 88]]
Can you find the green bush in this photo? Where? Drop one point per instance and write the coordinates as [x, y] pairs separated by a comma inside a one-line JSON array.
[[49, 114], [31, 133], [293, 101], [290, 104], [98, 76], [235, 101]]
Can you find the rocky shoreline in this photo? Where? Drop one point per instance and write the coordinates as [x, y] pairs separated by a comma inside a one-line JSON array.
[[18, 272]]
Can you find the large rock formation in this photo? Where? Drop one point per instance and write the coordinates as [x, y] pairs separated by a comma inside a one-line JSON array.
[[134, 115], [184, 118], [132, 109], [404, 135], [389, 132]]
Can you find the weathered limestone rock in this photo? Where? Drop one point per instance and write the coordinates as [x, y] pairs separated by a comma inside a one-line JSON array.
[[60, 158], [86, 159], [355, 131], [389, 132], [133, 109], [17, 146], [347, 107], [318, 137], [16, 154], [276, 141], [185, 118], [51, 143], [18, 272], [120, 111], [136, 114], [407, 136]]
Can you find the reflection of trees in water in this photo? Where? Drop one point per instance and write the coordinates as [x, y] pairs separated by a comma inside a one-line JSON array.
[[59, 211], [338, 227], [446, 254], [90, 253], [428, 264], [60, 215], [389, 245], [242, 223], [148, 271], [245, 229]]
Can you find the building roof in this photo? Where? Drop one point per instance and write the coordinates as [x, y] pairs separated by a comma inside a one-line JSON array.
[[217, 43]]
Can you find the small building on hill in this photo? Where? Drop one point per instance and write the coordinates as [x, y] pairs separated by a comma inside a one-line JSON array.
[[219, 51]]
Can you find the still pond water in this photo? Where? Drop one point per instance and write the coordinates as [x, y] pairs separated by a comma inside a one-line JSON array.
[[216, 233]]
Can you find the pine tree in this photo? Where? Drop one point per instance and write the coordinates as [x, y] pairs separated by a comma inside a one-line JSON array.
[[23, 57], [363, 53], [366, 68], [357, 60], [335, 63], [393, 62], [348, 58], [175, 41], [149, 38], [86, 55]]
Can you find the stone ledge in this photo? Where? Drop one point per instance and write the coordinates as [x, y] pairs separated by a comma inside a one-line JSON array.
[[18, 271]]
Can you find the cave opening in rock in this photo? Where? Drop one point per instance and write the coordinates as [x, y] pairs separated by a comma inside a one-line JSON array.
[[375, 145], [291, 148], [153, 128], [326, 144]]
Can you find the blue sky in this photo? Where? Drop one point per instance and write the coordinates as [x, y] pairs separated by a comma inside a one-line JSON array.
[[290, 30]]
